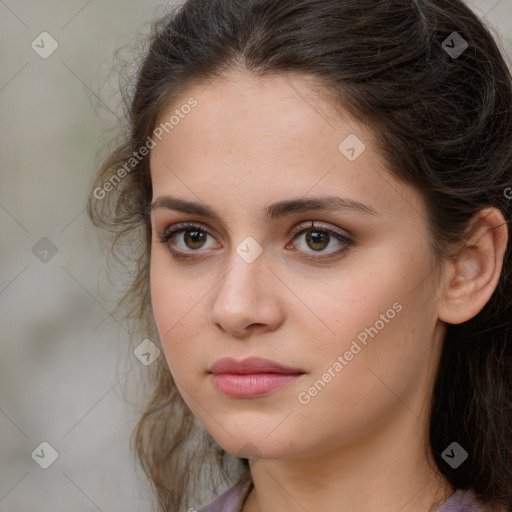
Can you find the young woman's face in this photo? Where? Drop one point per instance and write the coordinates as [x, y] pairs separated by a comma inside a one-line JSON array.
[[340, 292]]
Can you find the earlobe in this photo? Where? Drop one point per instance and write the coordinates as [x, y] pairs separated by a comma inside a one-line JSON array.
[[473, 275]]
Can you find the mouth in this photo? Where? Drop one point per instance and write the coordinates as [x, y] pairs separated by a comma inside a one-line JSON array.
[[251, 377]]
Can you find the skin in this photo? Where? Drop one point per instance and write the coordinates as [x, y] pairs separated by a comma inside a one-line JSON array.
[[360, 444]]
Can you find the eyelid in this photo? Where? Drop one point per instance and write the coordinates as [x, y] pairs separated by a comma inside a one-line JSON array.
[[164, 234], [170, 231], [346, 239], [323, 256], [311, 224]]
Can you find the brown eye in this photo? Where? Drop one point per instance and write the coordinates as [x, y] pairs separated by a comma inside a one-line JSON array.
[[194, 239], [185, 239], [317, 240]]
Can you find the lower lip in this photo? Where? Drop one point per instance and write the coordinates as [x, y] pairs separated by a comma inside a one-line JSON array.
[[251, 385]]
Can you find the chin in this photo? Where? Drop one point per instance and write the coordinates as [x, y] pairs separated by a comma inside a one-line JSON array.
[[249, 446], [258, 444]]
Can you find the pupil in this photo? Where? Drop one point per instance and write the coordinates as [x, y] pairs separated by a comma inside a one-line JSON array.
[[316, 238], [196, 237]]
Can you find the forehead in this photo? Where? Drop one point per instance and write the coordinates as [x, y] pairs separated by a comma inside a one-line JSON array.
[[238, 93], [264, 137], [242, 120]]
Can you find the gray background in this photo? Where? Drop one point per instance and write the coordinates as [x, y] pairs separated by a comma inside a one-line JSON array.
[[64, 360]]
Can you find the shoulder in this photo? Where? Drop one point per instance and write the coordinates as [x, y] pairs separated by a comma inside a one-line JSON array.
[[229, 501], [462, 500]]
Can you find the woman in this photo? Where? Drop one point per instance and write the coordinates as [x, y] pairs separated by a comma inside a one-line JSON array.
[[322, 193]]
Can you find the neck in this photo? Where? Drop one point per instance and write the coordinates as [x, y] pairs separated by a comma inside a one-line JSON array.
[[369, 474]]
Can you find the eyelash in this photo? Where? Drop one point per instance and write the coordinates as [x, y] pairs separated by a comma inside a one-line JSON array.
[[299, 230]]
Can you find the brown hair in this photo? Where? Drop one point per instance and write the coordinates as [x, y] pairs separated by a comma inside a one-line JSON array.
[[442, 122]]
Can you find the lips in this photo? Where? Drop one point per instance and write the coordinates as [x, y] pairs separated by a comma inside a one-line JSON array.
[[251, 365], [251, 377]]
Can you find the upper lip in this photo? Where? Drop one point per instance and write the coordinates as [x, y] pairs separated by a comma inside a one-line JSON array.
[[251, 365]]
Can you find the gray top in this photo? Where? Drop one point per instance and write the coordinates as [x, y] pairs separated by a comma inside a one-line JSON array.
[[233, 498]]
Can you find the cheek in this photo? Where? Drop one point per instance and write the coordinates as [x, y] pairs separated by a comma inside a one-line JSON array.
[[344, 399], [381, 323], [358, 307], [329, 317], [164, 295], [179, 304], [173, 292]]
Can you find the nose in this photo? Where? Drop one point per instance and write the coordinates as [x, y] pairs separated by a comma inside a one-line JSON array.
[[246, 300]]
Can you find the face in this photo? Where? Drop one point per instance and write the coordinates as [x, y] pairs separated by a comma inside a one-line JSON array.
[[341, 291]]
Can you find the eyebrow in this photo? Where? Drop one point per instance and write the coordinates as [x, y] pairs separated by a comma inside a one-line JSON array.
[[273, 211]]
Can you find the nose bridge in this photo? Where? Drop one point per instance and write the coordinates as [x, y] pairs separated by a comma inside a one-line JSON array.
[[243, 296], [246, 260], [243, 279]]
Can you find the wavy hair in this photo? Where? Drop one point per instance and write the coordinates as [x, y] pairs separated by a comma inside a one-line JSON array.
[[442, 122]]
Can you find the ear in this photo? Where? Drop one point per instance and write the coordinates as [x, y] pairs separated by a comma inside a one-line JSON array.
[[472, 276]]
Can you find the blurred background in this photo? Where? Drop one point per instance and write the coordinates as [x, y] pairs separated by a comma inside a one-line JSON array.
[[68, 382]]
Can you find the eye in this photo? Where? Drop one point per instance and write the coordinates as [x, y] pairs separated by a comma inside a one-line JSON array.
[[320, 236], [188, 238]]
